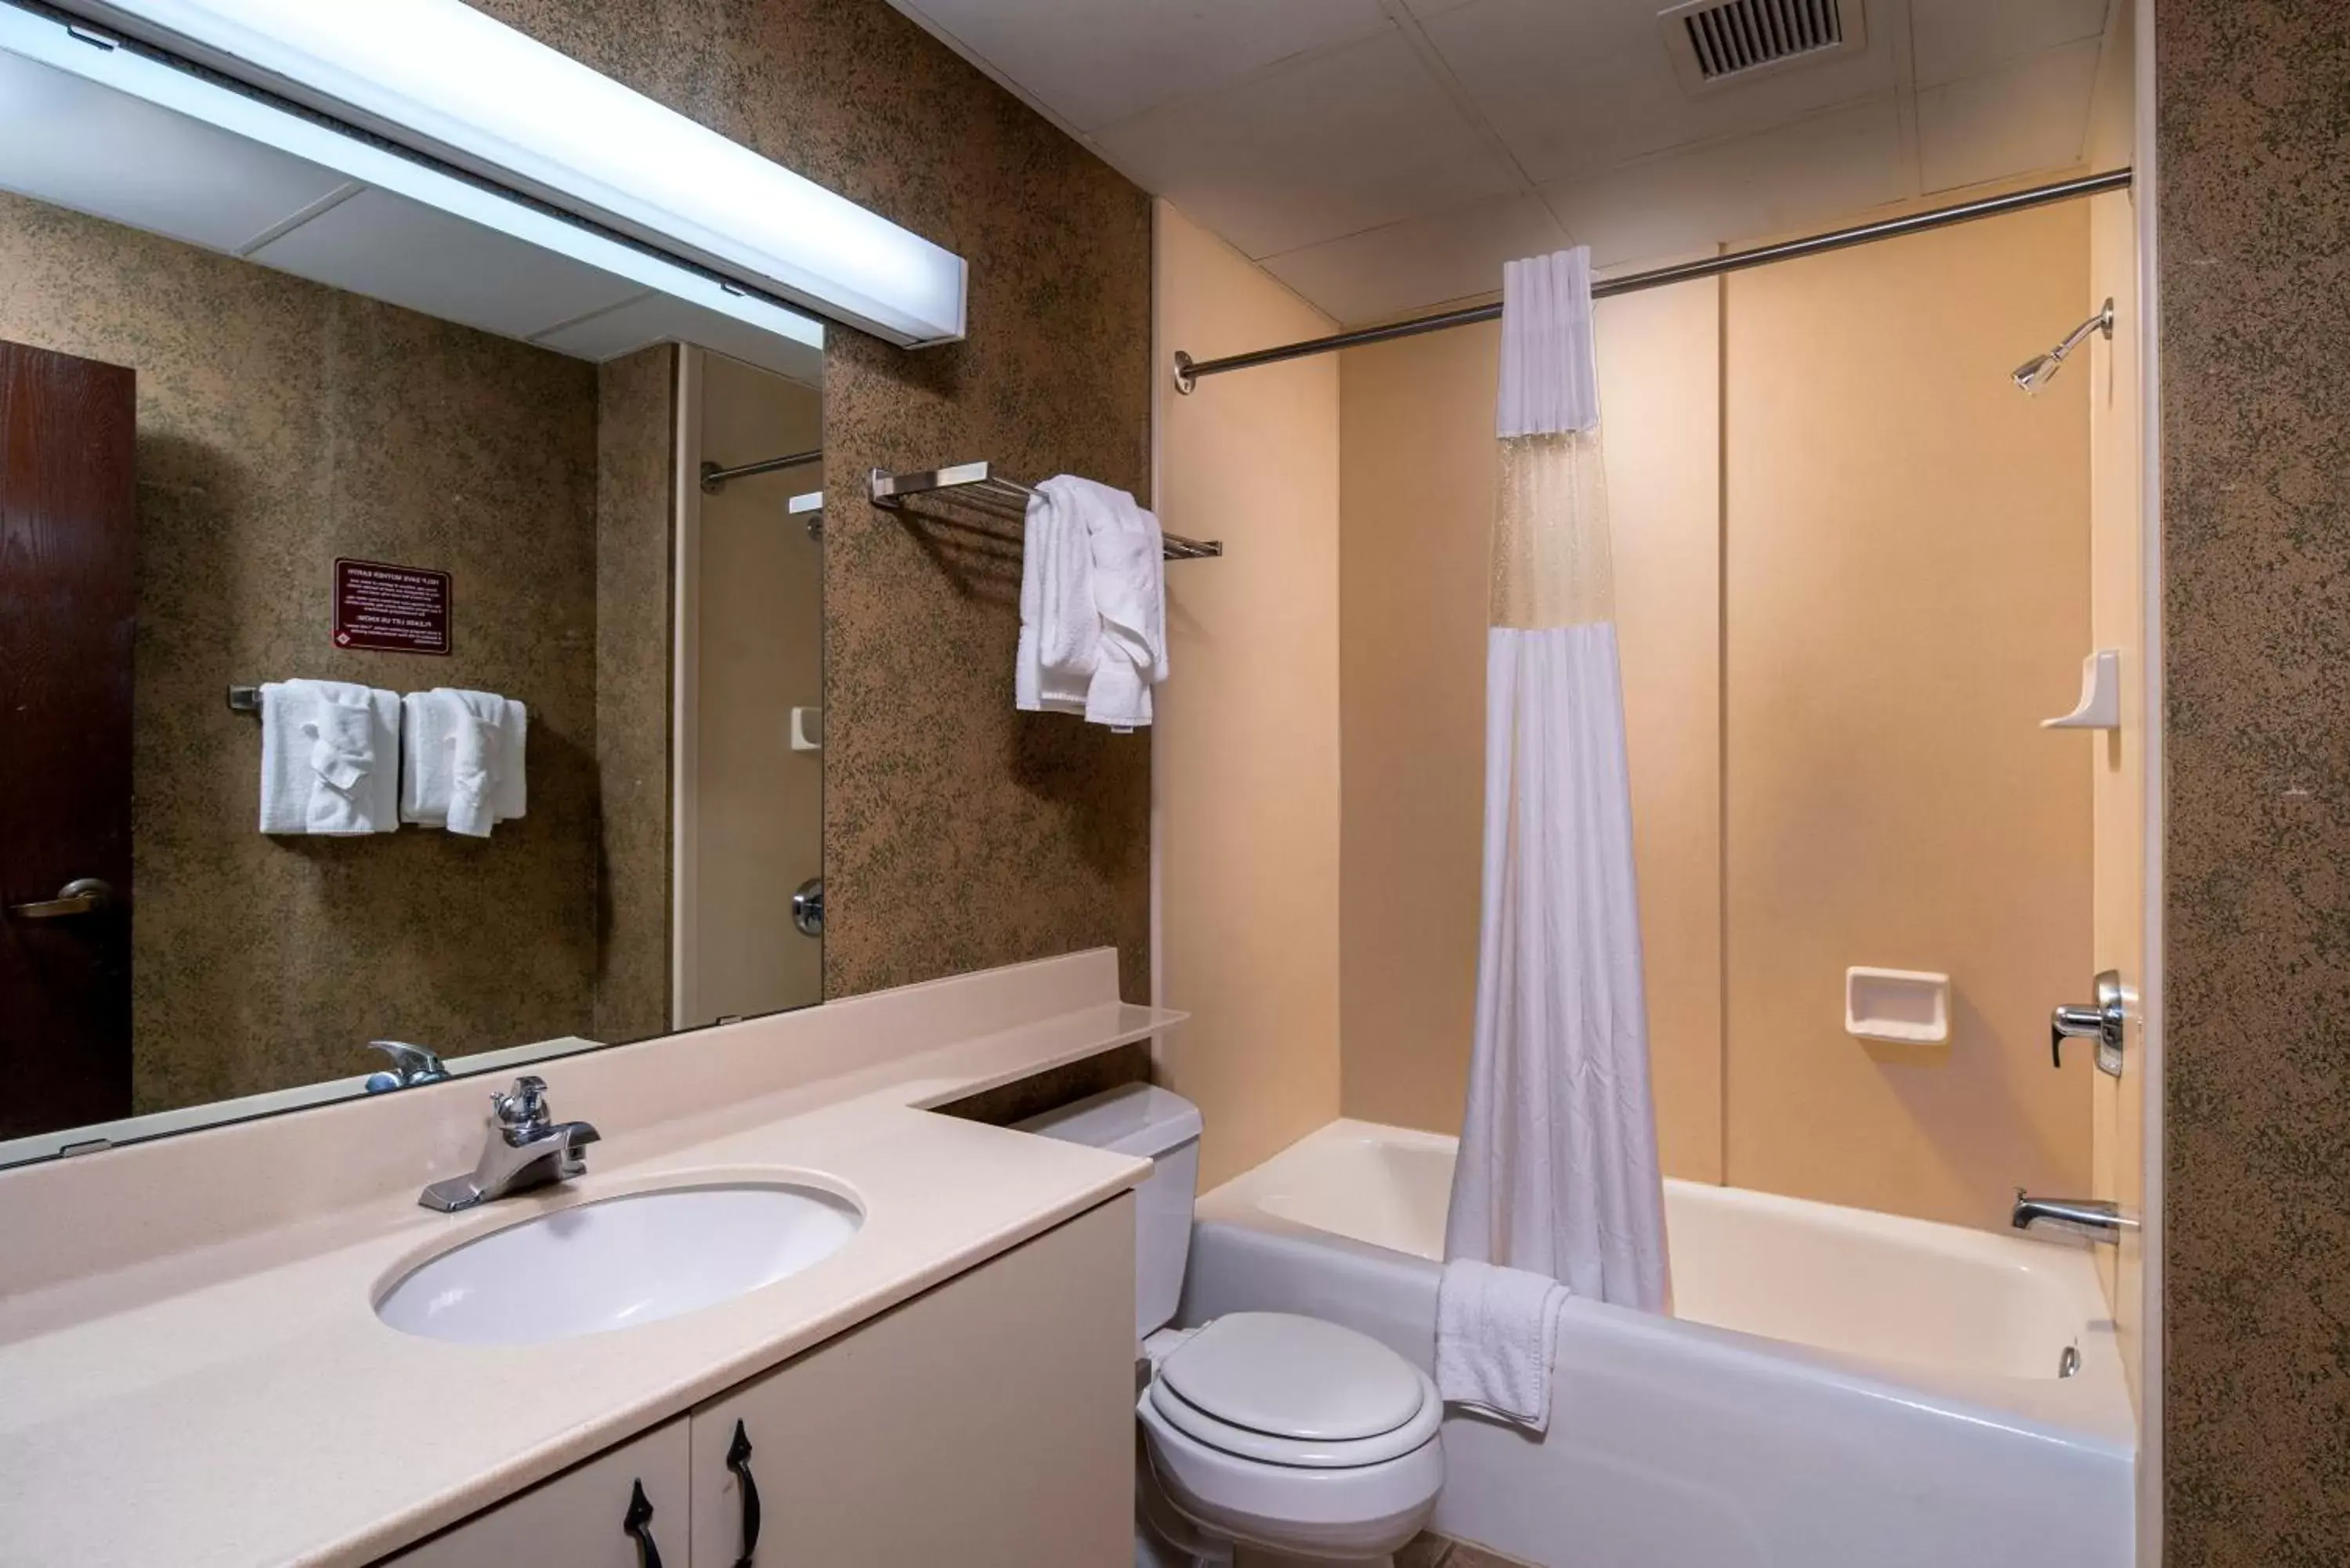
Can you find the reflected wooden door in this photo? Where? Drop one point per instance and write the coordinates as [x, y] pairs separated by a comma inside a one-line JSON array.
[[68, 596]]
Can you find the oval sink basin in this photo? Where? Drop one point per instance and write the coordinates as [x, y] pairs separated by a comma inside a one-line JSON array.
[[618, 1262]]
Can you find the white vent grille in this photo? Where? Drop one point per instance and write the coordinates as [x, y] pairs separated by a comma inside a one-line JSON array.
[[1716, 42]]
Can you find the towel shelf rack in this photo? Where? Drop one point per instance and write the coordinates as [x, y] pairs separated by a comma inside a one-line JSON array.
[[974, 486]]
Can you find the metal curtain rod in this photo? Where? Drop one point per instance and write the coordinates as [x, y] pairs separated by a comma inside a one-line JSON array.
[[1189, 370], [714, 478]]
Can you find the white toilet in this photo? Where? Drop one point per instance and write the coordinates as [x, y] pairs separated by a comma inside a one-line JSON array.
[[1292, 1438]]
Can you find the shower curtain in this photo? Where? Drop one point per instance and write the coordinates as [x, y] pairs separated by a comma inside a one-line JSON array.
[[1558, 1171]]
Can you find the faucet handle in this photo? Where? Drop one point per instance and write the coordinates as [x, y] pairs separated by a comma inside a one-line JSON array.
[[523, 1107]]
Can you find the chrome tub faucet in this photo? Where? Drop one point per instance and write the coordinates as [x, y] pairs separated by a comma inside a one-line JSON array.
[[524, 1149], [2097, 1219]]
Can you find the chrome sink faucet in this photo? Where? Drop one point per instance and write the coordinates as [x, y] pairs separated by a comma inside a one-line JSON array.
[[2097, 1219], [524, 1149]]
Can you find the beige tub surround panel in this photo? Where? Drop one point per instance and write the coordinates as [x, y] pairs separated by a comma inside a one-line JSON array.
[[2116, 760], [1907, 597], [1419, 476], [1247, 785], [758, 805]]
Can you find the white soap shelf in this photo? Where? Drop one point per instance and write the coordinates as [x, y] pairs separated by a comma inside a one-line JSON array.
[[1898, 1006]]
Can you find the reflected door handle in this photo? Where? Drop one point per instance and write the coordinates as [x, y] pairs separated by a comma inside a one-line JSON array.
[[82, 896]]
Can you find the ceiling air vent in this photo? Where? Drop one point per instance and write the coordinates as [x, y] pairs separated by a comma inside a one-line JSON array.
[[1719, 43]]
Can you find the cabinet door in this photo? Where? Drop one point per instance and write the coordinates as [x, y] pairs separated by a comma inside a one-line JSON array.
[[587, 1517], [988, 1423]]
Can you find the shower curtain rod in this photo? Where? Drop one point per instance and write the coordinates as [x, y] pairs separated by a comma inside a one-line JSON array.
[[1188, 370]]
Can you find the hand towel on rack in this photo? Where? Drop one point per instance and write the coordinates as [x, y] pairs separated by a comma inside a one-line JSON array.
[[463, 766], [1494, 1330], [329, 750], [1060, 629], [1129, 560]]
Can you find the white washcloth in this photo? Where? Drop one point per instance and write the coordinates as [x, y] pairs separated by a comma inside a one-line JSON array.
[[463, 763], [329, 758], [1494, 1330], [1092, 604]]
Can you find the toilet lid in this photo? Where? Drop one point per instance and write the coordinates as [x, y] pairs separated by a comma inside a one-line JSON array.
[[1294, 1378]]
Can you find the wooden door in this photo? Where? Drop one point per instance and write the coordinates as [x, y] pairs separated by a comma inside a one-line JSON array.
[[986, 1424], [67, 595], [625, 1507]]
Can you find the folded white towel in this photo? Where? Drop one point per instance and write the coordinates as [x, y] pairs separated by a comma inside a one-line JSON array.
[[1092, 604], [329, 758], [463, 760], [1129, 561], [1060, 630], [1494, 1331]]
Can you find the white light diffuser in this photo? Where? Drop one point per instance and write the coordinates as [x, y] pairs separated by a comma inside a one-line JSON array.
[[442, 78]]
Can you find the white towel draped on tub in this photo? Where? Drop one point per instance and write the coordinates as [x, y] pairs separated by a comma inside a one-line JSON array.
[[462, 766], [1495, 1331], [329, 758], [1092, 604]]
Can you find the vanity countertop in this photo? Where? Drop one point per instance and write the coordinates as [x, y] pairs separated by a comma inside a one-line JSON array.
[[242, 1404]]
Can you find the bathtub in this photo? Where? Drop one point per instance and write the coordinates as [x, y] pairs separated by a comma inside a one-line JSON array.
[[1837, 1389]]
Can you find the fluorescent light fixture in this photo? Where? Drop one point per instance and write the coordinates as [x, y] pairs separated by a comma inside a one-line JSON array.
[[438, 75]]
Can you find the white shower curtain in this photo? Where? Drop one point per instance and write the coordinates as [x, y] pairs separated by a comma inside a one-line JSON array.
[[1558, 1171]]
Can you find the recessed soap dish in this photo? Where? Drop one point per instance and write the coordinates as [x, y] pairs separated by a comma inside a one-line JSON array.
[[1901, 1006]]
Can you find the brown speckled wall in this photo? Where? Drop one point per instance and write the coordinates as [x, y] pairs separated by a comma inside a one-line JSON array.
[[2254, 105], [282, 424], [956, 835], [636, 444]]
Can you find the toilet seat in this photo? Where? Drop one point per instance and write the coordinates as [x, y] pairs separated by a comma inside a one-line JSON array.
[[1296, 1392]]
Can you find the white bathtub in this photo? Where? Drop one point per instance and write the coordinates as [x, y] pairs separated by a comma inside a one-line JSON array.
[[1838, 1389]]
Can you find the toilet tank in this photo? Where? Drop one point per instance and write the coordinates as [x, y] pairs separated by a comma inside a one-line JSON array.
[[1146, 1120]]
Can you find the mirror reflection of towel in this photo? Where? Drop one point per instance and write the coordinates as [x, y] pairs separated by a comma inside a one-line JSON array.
[[327, 758], [463, 760]]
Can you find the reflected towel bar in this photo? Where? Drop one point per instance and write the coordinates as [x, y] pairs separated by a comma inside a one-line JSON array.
[[715, 478], [974, 486]]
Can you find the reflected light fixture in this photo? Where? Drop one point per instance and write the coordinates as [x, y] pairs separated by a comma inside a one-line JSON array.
[[2041, 368], [444, 78]]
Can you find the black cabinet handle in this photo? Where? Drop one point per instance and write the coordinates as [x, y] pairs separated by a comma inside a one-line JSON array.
[[738, 1459], [637, 1526]]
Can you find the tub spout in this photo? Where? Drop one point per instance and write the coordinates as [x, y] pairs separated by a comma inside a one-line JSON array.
[[2094, 1218]]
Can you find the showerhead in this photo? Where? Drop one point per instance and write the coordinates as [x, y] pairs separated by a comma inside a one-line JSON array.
[[2041, 368]]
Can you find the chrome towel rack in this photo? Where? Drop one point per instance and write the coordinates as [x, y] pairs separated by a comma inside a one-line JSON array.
[[976, 486]]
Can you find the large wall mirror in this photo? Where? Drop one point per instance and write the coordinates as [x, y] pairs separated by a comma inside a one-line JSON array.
[[410, 630]]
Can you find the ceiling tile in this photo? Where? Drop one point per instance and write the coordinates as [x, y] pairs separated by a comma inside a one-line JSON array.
[[1093, 62], [1954, 38], [1824, 169], [2028, 115], [1575, 89], [1313, 149], [1421, 261]]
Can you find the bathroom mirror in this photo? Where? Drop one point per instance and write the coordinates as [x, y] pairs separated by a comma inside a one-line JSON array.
[[265, 421]]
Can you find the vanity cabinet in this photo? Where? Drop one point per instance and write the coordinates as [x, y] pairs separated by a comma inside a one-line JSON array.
[[582, 1518], [987, 1423]]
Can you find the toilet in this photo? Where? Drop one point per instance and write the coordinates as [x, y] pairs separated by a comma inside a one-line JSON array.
[[1293, 1440]]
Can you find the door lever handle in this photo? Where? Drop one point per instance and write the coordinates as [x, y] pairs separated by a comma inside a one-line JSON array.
[[82, 896], [2105, 1022]]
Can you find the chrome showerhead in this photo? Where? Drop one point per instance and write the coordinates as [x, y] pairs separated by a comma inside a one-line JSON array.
[[2041, 368]]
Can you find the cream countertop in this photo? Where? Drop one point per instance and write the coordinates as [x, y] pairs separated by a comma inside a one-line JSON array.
[[237, 1401]]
